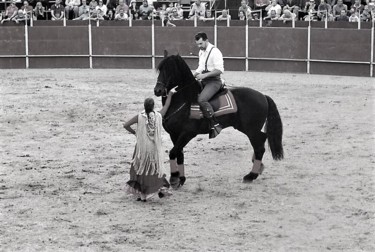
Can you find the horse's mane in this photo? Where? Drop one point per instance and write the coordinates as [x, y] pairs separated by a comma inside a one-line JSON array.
[[180, 74]]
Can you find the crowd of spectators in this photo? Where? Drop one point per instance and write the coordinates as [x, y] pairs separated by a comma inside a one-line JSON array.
[[285, 10]]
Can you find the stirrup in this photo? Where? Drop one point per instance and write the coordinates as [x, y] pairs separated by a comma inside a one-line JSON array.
[[215, 130]]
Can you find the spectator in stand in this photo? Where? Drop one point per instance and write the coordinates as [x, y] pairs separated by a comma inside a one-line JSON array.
[[262, 5], [311, 6], [133, 9], [290, 4], [197, 9], [366, 15], [241, 15], [174, 15], [101, 11], [180, 11], [39, 11], [121, 15], [162, 13], [57, 11], [337, 9], [71, 8], [208, 16], [272, 15], [245, 8], [224, 15], [371, 8], [343, 16], [11, 13], [354, 16], [145, 11], [357, 6], [273, 7], [83, 11], [348, 3], [122, 6], [287, 16], [111, 6], [324, 9], [27, 10]]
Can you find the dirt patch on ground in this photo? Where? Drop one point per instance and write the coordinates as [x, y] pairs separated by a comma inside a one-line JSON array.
[[65, 160]]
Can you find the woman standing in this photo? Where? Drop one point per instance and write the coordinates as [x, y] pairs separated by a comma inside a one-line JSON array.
[[147, 176]]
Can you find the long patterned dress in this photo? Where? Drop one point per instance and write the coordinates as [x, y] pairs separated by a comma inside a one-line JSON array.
[[147, 173]]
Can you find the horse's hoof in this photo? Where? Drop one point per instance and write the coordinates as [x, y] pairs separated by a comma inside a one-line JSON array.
[[182, 180], [250, 177], [174, 180]]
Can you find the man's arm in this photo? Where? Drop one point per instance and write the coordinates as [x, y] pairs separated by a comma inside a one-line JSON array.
[[165, 108]]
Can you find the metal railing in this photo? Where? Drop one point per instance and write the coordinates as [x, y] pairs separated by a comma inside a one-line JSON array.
[[153, 55]]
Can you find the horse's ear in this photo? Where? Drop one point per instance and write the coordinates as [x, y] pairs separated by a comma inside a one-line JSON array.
[[165, 53]]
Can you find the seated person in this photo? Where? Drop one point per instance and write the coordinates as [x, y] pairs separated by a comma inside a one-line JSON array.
[[208, 16], [371, 7], [343, 16], [180, 11], [121, 15], [133, 10], [354, 16], [273, 10], [272, 15], [101, 11], [71, 8], [174, 15], [366, 15], [39, 11], [198, 9], [337, 8], [145, 11], [83, 11], [323, 10], [27, 10], [245, 8], [310, 6], [122, 6], [241, 15], [162, 13], [224, 16], [57, 11], [287, 16], [357, 6], [10, 13]]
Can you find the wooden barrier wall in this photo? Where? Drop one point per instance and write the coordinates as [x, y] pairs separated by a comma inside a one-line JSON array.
[[301, 49]]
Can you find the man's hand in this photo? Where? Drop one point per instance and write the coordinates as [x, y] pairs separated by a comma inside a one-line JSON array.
[[200, 76]]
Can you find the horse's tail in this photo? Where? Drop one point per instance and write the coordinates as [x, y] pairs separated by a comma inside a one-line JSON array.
[[274, 130]]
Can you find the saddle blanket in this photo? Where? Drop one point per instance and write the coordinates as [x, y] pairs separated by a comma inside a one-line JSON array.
[[222, 105]]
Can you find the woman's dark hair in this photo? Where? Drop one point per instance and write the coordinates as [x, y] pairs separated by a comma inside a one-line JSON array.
[[201, 35], [149, 105]]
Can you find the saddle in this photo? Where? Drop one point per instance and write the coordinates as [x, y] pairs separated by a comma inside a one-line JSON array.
[[222, 102]]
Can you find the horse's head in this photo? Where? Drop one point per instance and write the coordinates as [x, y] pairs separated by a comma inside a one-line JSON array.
[[169, 76]]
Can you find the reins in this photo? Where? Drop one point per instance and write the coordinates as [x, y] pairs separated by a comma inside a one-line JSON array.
[[182, 106]]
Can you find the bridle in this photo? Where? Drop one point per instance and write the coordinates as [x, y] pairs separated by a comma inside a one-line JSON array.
[[178, 89]]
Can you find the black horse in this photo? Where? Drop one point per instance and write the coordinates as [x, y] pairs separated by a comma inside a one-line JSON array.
[[254, 110]]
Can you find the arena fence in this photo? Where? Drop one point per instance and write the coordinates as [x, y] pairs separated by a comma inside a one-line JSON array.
[[297, 47]]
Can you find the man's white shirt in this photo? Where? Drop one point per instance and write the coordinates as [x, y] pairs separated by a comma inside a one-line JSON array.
[[215, 60]]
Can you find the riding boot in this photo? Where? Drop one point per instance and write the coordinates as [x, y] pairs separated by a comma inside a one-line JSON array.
[[208, 113], [215, 127]]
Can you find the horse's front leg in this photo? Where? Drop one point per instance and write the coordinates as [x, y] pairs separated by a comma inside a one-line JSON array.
[[176, 159]]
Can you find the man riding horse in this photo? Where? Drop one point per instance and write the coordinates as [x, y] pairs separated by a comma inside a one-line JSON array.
[[211, 66]]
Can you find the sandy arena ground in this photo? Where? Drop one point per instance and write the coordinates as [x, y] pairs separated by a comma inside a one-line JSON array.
[[65, 160]]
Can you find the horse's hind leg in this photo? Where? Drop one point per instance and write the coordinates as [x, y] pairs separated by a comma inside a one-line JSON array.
[[257, 141]]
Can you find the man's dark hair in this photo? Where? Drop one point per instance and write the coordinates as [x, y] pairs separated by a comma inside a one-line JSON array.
[[201, 35]]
